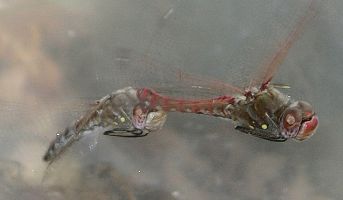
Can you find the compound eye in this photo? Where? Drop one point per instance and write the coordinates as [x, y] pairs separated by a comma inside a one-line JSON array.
[[306, 108]]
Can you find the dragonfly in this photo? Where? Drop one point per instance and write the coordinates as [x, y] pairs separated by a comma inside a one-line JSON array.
[[260, 110]]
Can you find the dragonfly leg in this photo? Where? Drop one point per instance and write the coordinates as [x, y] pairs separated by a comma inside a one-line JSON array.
[[126, 133], [261, 133]]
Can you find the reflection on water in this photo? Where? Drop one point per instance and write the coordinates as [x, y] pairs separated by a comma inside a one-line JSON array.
[[57, 57]]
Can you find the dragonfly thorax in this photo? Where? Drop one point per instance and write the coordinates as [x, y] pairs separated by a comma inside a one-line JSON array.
[[259, 109]]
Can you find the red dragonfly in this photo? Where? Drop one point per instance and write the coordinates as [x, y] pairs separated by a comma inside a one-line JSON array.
[[260, 110]]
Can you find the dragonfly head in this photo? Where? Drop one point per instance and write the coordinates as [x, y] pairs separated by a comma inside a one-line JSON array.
[[298, 121]]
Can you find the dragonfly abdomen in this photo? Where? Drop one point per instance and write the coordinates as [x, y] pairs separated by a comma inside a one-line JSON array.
[[63, 139], [214, 107]]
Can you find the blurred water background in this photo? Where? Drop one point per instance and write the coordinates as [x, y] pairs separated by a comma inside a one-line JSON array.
[[56, 57]]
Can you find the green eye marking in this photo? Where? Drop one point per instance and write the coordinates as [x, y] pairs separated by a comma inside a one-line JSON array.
[[264, 126], [122, 119]]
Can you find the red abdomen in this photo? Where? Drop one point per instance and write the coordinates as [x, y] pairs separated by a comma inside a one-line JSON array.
[[155, 101]]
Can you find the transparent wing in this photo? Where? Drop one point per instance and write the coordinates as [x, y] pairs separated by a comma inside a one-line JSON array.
[[176, 56], [269, 70], [170, 79]]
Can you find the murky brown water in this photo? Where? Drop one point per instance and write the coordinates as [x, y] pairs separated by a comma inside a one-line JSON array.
[[57, 57]]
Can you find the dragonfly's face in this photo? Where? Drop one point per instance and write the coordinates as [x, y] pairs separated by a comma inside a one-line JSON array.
[[299, 121], [139, 117]]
